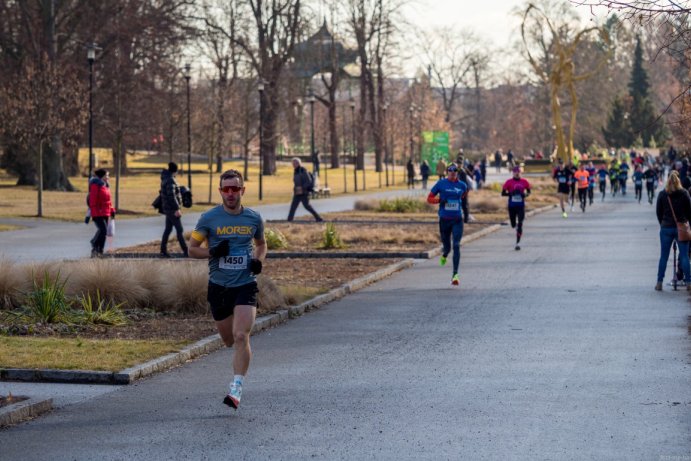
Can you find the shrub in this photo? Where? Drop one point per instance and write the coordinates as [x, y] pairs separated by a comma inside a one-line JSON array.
[[116, 280], [100, 311], [185, 288], [330, 238], [275, 240], [404, 205]]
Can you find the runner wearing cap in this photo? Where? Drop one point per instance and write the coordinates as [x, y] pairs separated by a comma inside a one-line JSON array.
[[517, 189], [451, 192]]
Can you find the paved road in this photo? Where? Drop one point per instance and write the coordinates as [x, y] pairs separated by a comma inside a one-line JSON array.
[[560, 351]]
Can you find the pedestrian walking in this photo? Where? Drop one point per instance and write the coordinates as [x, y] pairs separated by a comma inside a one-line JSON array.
[[101, 208], [516, 189], [451, 192], [410, 170], [231, 230], [171, 207], [302, 187], [424, 174], [673, 206], [441, 169], [497, 160]]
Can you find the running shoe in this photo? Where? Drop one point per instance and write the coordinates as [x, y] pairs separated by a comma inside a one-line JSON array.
[[517, 247], [564, 215], [442, 260], [234, 396], [455, 280]]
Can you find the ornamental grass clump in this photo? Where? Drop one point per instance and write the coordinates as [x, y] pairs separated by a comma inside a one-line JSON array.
[[99, 311], [47, 302], [275, 240], [330, 238], [11, 281]]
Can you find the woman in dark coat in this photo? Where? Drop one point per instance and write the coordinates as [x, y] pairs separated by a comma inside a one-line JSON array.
[[673, 201]]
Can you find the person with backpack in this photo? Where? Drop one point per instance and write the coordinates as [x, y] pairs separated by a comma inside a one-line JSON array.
[[303, 185], [171, 203], [101, 208]]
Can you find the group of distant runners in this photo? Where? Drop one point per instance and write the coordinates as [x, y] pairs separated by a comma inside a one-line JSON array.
[[583, 178]]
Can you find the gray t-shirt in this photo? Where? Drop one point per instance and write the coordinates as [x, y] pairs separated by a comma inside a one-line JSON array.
[[216, 225]]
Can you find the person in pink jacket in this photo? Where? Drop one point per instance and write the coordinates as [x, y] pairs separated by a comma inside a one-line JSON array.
[[101, 207]]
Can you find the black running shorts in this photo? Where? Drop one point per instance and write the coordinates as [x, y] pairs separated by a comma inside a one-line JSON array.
[[223, 300]]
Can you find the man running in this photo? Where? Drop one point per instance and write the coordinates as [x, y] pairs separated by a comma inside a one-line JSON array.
[[451, 193], [614, 179], [571, 169], [591, 181], [623, 176], [563, 180], [517, 189], [602, 175], [637, 178], [582, 178], [230, 229], [651, 178]]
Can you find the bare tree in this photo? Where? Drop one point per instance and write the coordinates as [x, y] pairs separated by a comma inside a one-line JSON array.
[[557, 39], [44, 103]]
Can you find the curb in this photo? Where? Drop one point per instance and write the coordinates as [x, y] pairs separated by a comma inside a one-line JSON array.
[[26, 409], [201, 347]]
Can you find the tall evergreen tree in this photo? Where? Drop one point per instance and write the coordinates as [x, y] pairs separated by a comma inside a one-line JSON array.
[[642, 115], [618, 132]]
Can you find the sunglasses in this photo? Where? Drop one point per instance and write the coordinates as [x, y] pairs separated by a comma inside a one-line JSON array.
[[453, 170], [226, 189]]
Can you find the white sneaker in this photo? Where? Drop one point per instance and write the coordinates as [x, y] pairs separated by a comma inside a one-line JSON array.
[[234, 396]]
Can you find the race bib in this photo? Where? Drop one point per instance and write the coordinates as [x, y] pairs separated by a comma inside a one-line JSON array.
[[233, 262], [516, 199], [562, 180], [452, 205], [639, 182], [650, 180]]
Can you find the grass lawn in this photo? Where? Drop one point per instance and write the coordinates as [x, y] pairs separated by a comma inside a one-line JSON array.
[[81, 354], [9, 227], [140, 187]]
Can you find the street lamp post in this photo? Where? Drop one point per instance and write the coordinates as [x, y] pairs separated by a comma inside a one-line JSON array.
[[187, 76], [91, 57], [386, 150], [352, 126], [260, 87], [345, 139], [313, 157], [411, 111]]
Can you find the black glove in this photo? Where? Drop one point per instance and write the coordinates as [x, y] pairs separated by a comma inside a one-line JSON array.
[[112, 214], [442, 203], [222, 249], [255, 266]]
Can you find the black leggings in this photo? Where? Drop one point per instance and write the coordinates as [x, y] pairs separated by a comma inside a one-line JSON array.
[[99, 239], [516, 216]]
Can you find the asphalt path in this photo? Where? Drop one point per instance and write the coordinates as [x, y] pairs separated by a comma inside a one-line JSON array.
[[562, 350]]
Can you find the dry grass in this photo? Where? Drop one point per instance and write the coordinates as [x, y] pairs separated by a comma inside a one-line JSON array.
[[139, 188], [178, 286]]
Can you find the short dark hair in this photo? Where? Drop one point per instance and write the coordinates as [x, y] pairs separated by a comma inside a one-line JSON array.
[[100, 172], [173, 167], [230, 174]]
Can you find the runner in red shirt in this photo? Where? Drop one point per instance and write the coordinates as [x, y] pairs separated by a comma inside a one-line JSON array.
[[517, 189]]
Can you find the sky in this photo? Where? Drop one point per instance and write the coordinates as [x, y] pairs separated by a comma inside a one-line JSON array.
[[492, 19]]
